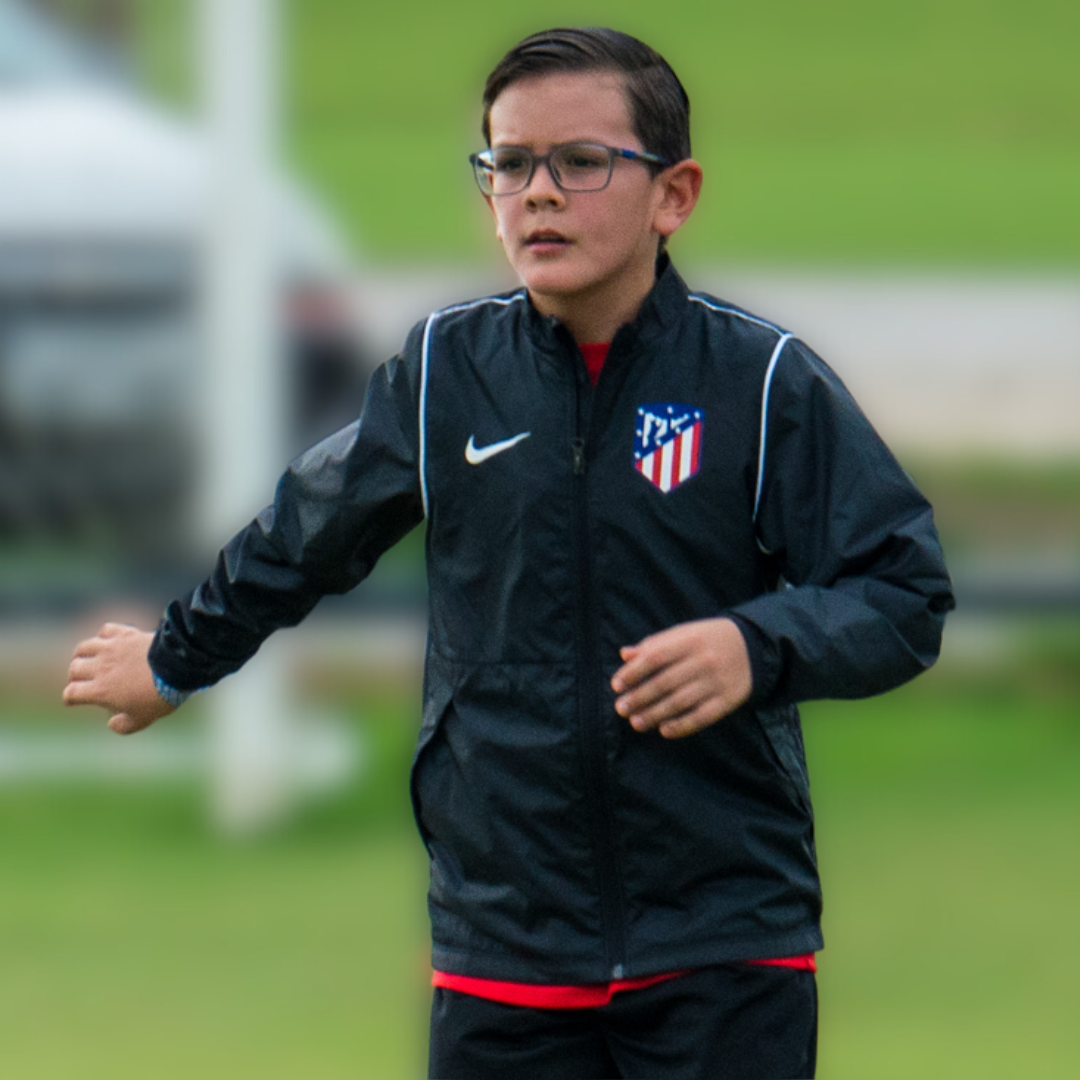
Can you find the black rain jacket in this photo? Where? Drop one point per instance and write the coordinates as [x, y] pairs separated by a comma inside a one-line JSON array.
[[565, 847]]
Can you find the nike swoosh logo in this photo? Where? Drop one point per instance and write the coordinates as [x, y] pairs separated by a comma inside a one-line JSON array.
[[476, 455]]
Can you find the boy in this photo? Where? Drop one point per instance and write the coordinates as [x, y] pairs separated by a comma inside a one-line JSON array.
[[655, 522]]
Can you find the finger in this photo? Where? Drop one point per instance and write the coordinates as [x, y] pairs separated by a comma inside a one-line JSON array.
[[623, 679], [89, 647], [81, 669], [679, 702], [648, 657], [114, 629], [82, 693], [124, 724], [706, 714], [653, 689]]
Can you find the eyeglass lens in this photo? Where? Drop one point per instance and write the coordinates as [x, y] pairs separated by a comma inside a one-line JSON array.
[[508, 170]]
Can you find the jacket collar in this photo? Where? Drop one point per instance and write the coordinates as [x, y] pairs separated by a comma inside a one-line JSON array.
[[662, 307]]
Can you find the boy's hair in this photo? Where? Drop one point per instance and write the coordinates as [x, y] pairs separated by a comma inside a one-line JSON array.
[[659, 106]]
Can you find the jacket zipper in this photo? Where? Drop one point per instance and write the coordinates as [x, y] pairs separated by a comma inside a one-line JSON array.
[[589, 711]]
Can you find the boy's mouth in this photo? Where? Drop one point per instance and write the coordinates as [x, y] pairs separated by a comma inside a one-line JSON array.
[[545, 238]]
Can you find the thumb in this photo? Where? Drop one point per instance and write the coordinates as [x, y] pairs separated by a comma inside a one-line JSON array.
[[123, 724]]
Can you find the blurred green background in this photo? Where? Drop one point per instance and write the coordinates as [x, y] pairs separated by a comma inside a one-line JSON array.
[[136, 940], [929, 132], [923, 135]]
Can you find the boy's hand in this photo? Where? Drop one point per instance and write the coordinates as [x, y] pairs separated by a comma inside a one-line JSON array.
[[111, 670], [683, 679]]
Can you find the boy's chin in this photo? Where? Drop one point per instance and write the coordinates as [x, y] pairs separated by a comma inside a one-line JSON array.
[[556, 282]]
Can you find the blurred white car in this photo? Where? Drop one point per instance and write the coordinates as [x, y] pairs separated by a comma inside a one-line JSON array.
[[102, 202]]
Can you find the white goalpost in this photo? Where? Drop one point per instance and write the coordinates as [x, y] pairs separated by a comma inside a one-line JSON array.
[[242, 392]]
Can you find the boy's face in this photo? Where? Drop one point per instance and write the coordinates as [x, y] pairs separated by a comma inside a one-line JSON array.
[[576, 247]]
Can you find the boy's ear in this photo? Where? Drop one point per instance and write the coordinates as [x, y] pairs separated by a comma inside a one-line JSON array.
[[680, 186]]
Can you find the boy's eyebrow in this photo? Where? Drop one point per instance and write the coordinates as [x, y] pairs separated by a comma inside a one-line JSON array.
[[589, 140]]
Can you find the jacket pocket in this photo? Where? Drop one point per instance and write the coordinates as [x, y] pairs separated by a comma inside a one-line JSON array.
[[780, 725], [438, 700]]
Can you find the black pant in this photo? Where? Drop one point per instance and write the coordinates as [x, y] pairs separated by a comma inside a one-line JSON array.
[[729, 1022]]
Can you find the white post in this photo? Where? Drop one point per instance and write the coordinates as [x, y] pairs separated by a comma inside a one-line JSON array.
[[243, 393]]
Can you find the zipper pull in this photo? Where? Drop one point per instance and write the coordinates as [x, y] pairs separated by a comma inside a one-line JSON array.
[[578, 448]]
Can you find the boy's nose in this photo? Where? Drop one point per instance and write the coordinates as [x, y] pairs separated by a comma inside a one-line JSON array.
[[542, 186]]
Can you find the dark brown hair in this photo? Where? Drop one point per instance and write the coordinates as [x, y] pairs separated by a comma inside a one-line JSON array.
[[659, 106]]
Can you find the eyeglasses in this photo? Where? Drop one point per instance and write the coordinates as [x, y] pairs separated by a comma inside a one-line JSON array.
[[507, 170]]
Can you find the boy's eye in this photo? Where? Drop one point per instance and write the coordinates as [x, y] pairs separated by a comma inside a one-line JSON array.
[[510, 163], [582, 158]]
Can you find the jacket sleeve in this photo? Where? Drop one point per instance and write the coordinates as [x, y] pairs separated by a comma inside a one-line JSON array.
[[337, 508], [863, 586]]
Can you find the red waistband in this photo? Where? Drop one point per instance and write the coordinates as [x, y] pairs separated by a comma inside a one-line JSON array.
[[590, 996]]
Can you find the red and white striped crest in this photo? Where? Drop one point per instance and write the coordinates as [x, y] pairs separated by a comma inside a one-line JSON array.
[[667, 443]]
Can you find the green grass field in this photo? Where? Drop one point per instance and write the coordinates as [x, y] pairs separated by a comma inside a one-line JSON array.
[[136, 941], [940, 132]]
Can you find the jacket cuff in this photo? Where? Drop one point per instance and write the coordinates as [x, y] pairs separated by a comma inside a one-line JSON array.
[[764, 660], [169, 694], [173, 661]]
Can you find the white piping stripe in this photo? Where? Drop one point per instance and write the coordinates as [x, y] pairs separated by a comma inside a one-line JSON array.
[[737, 313], [424, 357], [784, 339], [422, 418]]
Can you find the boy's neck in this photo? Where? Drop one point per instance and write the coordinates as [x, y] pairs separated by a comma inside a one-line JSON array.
[[597, 315]]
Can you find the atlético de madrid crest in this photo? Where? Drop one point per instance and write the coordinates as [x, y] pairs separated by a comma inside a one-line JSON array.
[[667, 443]]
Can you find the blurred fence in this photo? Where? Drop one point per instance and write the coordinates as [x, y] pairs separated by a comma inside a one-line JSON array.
[[947, 368], [942, 363]]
